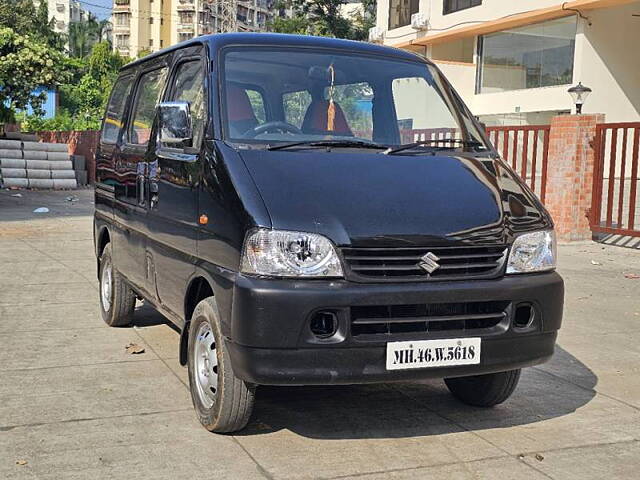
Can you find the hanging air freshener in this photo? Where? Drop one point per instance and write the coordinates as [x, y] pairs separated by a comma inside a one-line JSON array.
[[331, 110]]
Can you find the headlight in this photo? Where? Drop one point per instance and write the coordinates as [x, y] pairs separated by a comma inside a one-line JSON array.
[[533, 252], [290, 254]]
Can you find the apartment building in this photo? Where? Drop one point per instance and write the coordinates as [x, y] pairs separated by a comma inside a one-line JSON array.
[[513, 62], [140, 25], [64, 12]]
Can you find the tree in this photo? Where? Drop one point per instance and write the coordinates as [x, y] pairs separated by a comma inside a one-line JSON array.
[[23, 17], [86, 97], [298, 25], [84, 35], [324, 18], [25, 67], [364, 20]]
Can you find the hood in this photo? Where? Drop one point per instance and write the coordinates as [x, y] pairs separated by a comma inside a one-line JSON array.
[[368, 199]]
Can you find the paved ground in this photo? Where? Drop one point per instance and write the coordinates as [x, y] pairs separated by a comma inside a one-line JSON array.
[[73, 404]]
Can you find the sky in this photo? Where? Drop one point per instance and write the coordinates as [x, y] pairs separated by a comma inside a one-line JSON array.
[[99, 12]]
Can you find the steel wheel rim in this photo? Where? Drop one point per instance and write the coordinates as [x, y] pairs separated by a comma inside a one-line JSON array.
[[106, 286], [205, 364]]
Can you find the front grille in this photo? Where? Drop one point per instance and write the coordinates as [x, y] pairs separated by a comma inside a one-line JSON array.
[[404, 263], [437, 317]]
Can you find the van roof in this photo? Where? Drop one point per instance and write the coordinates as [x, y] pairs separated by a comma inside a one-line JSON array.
[[220, 40]]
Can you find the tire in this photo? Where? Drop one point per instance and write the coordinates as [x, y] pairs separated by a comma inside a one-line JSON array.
[[484, 390], [222, 401], [117, 300]]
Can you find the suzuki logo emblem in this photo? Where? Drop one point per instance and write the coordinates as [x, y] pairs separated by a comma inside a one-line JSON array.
[[429, 262]]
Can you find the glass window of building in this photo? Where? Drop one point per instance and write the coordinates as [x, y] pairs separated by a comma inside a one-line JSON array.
[[400, 12], [451, 6], [534, 56]]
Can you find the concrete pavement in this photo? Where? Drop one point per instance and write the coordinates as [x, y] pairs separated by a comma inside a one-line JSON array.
[[74, 404]]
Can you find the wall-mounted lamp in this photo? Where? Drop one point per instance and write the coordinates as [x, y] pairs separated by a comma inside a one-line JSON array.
[[579, 93]]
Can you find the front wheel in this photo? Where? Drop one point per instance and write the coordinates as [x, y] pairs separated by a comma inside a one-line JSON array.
[[484, 390], [222, 401]]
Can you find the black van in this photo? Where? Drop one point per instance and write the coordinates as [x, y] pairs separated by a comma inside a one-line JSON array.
[[318, 211]]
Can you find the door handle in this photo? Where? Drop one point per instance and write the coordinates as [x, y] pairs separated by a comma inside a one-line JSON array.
[[140, 180], [153, 191]]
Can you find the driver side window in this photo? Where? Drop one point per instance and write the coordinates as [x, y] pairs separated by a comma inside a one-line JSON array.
[[257, 104]]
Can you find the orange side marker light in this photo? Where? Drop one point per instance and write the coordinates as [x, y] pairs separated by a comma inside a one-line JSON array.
[[203, 220]]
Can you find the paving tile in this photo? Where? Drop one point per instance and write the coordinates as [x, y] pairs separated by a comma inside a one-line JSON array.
[[616, 461], [158, 333], [490, 469], [20, 253], [614, 365], [45, 316], [545, 413], [311, 432], [132, 416], [58, 348], [91, 391], [70, 292], [179, 370], [38, 273], [168, 446]]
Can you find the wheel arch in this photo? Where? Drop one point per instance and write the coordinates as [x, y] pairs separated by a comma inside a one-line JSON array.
[[104, 238], [200, 287]]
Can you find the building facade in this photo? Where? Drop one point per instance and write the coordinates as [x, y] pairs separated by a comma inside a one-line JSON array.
[[65, 12], [149, 25], [512, 62]]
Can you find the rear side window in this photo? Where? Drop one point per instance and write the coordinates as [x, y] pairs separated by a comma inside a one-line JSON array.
[[148, 96], [115, 110]]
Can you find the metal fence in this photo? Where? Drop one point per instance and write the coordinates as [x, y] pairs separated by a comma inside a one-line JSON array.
[[526, 149], [614, 207]]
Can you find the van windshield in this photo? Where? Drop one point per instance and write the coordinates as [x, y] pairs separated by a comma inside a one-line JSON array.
[[275, 95]]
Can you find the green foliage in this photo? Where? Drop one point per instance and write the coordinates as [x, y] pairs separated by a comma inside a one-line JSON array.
[[143, 53], [104, 62], [83, 36], [35, 58], [63, 122], [26, 65], [24, 18], [86, 97], [298, 25], [323, 18]]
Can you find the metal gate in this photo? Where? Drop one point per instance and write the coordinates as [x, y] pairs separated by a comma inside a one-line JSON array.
[[614, 209], [526, 149]]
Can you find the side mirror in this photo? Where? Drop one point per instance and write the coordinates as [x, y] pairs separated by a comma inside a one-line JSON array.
[[175, 124]]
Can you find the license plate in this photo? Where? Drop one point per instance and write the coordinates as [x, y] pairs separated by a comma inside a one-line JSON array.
[[433, 353]]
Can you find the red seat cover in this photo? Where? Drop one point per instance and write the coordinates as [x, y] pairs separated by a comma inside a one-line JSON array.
[[315, 120], [238, 104]]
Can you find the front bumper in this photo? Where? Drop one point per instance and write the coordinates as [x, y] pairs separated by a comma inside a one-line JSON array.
[[270, 341]]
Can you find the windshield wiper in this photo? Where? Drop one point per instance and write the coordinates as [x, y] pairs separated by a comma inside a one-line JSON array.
[[409, 146], [328, 143]]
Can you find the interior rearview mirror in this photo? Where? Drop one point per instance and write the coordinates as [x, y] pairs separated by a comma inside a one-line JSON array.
[[175, 123]]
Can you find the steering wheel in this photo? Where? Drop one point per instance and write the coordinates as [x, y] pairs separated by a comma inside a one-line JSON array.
[[273, 126]]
